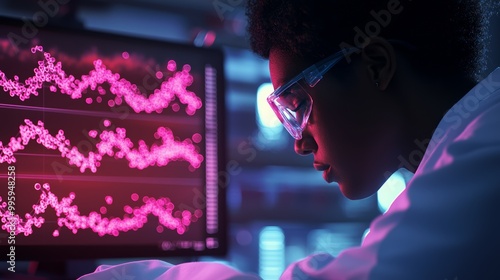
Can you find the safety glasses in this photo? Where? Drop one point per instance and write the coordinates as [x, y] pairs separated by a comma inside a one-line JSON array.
[[292, 104]]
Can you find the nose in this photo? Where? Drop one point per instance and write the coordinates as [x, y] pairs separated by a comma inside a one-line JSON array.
[[305, 146]]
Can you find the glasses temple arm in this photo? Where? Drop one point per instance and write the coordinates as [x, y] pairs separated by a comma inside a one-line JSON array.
[[315, 73]]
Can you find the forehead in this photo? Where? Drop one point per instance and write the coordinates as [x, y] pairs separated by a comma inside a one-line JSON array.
[[284, 67]]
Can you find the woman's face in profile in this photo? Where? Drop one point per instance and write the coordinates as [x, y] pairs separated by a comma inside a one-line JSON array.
[[354, 130]]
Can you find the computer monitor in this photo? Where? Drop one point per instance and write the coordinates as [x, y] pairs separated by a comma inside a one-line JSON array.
[[111, 146]]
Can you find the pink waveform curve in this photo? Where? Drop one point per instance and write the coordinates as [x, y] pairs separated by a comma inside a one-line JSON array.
[[112, 143], [69, 216], [49, 70]]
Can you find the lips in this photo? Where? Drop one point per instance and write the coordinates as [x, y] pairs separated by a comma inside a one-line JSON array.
[[327, 171], [321, 166]]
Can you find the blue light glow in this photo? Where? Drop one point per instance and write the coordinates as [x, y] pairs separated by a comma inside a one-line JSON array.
[[271, 252], [265, 115], [392, 188]]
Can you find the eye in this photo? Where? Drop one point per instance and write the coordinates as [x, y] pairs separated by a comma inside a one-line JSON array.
[[298, 105], [293, 100]]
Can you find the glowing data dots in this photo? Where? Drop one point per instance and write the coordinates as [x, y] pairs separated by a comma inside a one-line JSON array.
[[109, 199], [112, 143], [171, 66], [197, 138], [51, 71], [68, 216], [134, 197]]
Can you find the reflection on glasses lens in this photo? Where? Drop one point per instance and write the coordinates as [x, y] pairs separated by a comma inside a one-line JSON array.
[[293, 107]]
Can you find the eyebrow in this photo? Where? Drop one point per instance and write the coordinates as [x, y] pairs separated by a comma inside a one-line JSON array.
[[287, 79]]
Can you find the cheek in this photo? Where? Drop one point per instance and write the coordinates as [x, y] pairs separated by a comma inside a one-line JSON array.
[[331, 130], [344, 118], [338, 120], [343, 130]]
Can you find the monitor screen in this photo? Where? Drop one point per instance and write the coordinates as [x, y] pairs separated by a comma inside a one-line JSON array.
[[110, 146]]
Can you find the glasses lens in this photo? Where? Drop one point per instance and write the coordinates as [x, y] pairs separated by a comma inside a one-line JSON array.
[[293, 107]]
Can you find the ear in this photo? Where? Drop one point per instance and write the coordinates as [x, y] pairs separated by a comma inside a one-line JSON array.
[[380, 60]]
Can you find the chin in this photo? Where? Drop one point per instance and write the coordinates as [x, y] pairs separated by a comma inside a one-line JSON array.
[[355, 192]]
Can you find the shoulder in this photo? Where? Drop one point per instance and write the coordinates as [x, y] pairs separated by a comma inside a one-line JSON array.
[[472, 123]]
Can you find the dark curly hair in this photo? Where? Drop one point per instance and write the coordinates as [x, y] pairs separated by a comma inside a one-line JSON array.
[[449, 35]]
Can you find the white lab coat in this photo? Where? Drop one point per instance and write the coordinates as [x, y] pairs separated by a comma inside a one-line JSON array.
[[443, 226]]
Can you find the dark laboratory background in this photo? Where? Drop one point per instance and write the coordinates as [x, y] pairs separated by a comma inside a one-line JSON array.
[[280, 209]]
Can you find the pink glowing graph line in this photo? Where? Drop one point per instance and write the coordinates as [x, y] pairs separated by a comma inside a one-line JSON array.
[[69, 216], [112, 143], [49, 70]]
